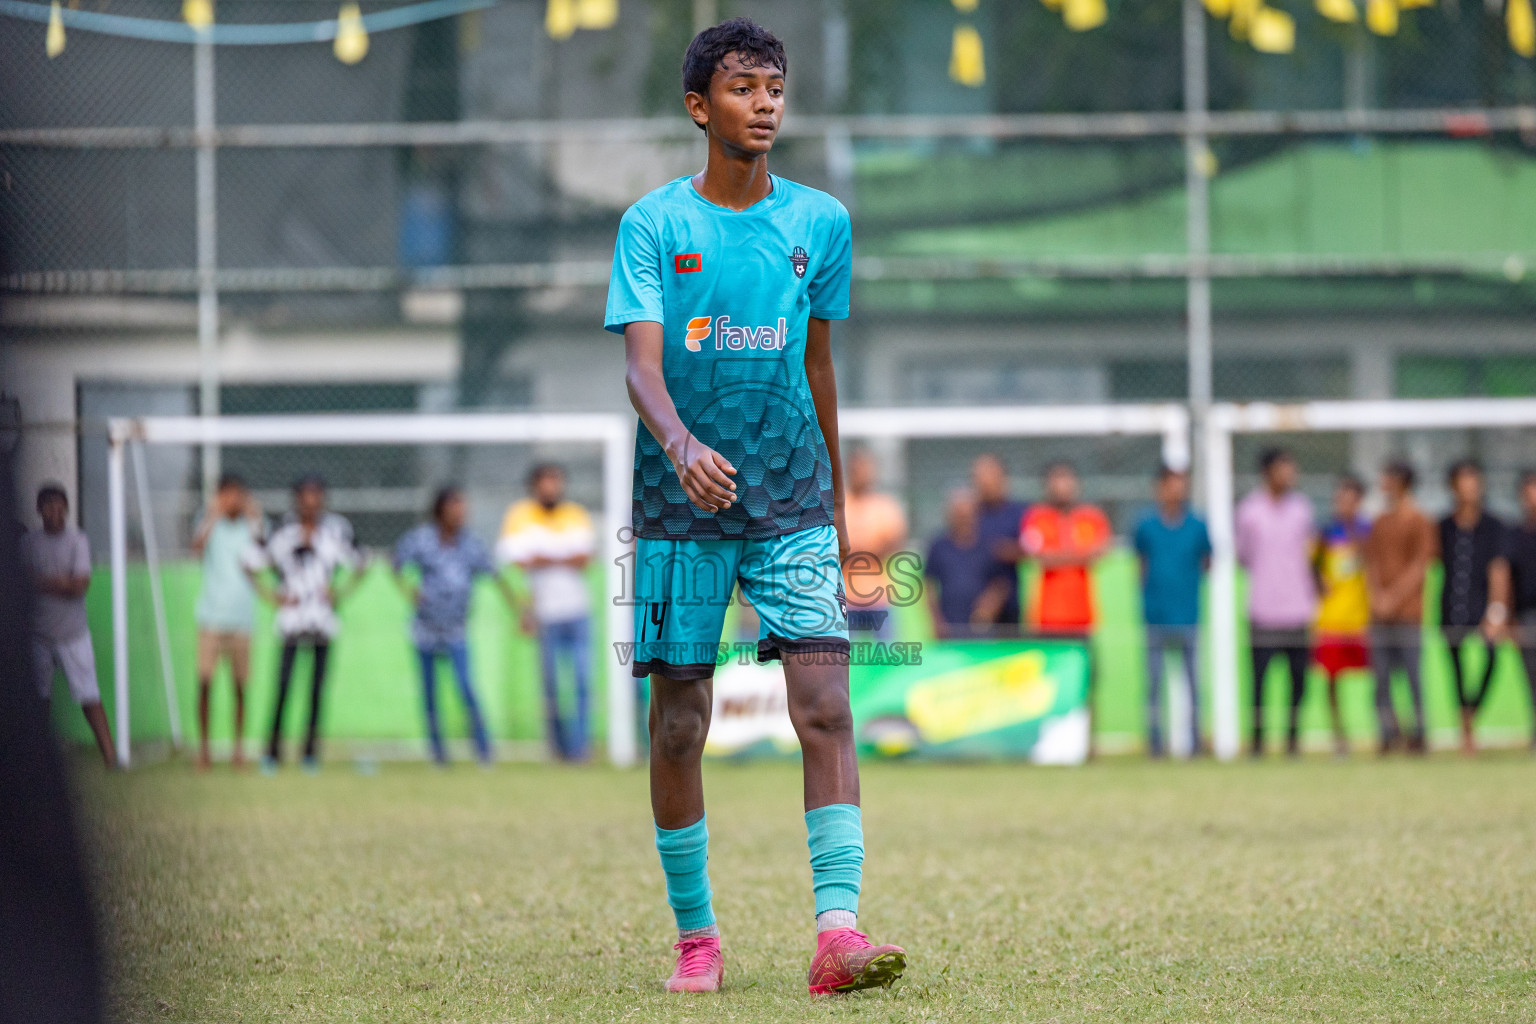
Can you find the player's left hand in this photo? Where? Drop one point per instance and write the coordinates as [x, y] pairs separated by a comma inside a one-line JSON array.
[[844, 548]]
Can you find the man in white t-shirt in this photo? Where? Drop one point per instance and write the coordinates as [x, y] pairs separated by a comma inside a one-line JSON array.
[[58, 560], [551, 539]]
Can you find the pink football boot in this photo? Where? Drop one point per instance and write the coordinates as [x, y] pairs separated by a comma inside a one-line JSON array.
[[846, 961], [699, 966]]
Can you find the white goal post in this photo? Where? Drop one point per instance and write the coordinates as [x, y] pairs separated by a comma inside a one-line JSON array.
[[1225, 420], [614, 432]]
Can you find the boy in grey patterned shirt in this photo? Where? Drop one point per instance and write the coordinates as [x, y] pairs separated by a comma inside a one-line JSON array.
[[304, 554]]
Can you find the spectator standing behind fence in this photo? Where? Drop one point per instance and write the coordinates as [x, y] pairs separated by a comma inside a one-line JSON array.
[[305, 554], [1397, 555], [226, 604], [551, 539], [877, 529], [447, 559], [1066, 537], [959, 570], [1174, 548], [1275, 532], [1471, 541], [1344, 606], [1514, 584], [997, 523], [58, 560]]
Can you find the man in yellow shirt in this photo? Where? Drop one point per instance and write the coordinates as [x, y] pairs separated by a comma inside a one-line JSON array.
[[552, 540], [1344, 611]]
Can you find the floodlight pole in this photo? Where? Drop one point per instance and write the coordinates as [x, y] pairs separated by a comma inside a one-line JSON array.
[[1197, 227], [834, 61], [207, 250]]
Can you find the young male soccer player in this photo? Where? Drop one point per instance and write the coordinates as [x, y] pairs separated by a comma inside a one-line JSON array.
[[724, 285]]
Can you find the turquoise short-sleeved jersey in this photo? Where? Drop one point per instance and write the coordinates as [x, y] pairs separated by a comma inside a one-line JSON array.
[[733, 291]]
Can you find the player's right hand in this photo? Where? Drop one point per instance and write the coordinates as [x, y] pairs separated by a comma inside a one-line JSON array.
[[706, 476]]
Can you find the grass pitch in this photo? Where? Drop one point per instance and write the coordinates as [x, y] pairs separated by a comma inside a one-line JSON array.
[[1316, 891]]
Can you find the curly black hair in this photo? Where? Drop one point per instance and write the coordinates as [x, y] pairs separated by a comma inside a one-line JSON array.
[[755, 45]]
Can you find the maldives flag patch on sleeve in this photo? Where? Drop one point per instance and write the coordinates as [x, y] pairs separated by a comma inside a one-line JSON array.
[[688, 263]]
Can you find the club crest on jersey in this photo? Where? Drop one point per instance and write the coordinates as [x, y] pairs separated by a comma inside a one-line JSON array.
[[729, 336], [799, 260]]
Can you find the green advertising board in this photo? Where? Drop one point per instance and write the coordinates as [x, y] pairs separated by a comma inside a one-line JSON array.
[[1023, 700]]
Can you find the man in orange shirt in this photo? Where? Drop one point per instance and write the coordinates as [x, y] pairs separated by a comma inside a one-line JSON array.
[[1065, 538], [877, 529]]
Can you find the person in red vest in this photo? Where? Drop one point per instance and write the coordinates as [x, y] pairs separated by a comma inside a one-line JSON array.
[[1065, 537]]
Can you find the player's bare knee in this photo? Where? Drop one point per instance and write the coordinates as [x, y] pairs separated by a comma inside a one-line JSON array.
[[824, 711], [678, 732], [679, 719]]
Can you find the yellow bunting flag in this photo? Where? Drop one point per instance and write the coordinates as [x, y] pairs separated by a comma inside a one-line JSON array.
[[1272, 31], [1521, 26], [1082, 15], [1219, 8], [965, 6], [1408, 5], [560, 18], [1054, 5], [1381, 17], [53, 42], [596, 14], [197, 13], [1342, 11], [1242, 17], [351, 38], [967, 63]]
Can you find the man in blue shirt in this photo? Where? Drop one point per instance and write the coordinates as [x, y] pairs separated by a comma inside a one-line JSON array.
[[724, 286], [1175, 551], [959, 572], [447, 560]]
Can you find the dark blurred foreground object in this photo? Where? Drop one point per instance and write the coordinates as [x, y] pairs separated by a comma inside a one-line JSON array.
[[50, 965]]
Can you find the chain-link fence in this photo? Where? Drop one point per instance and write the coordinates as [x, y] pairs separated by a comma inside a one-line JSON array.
[[430, 228]]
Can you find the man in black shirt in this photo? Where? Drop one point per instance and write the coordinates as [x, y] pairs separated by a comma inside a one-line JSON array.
[[1472, 550], [1514, 584]]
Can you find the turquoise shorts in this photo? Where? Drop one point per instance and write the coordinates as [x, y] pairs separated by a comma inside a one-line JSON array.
[[683, 587]]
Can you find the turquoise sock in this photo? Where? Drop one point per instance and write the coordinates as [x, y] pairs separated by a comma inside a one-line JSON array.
[[684, 859], [835, 834]]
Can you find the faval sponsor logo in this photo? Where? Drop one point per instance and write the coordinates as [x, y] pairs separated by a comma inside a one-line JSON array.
[[729, 336]]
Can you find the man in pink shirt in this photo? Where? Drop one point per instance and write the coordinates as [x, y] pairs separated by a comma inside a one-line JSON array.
[[1275, 531]]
